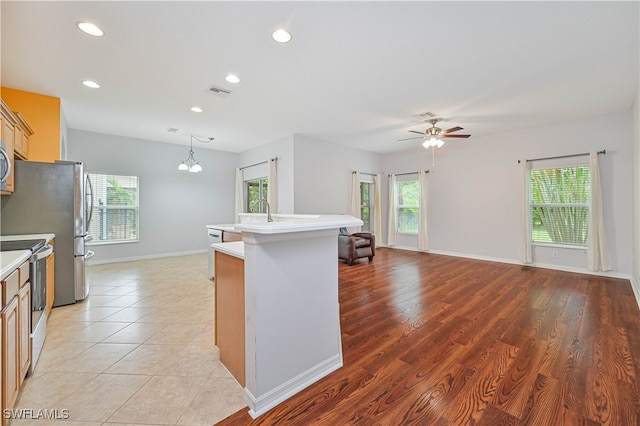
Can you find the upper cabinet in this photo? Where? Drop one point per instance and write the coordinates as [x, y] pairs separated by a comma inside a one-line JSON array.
[[21, 137], [15, 135]]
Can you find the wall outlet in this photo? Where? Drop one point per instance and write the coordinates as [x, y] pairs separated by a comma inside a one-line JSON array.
[[554, 254]]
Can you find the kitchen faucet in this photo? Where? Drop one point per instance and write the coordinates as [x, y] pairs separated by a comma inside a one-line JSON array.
[[264, 200]]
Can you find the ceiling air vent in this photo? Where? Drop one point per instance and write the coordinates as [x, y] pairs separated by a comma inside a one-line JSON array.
[[219, 91], [172, 130]]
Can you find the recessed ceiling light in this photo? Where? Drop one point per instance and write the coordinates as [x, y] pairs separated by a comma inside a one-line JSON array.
[[281, 36], [91, 84], [91, 29], [196, 109], [232, 78]]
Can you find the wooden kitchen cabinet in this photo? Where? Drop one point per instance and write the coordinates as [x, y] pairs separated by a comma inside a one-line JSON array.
[[10, 353], [229, 313], [21, 137], [24, 329], [15, 135], [8, 126]]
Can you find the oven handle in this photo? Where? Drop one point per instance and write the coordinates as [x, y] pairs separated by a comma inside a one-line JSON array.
[[44, 252]]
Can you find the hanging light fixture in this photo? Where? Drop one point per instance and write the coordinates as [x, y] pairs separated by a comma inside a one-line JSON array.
[[190, 164]]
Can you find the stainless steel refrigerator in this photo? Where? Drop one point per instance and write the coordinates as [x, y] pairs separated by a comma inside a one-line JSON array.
[[54, 197]]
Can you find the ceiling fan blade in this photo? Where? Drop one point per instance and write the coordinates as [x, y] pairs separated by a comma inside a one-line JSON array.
[[415, 131], [408, 139], [456, 136], [453, 129]]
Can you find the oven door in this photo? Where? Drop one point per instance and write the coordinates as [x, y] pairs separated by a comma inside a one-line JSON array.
[[38, 275]]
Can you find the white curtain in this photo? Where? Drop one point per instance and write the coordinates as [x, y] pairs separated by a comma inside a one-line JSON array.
[[239, 207], [355, 199], [526, 256], [377, 209], [423, 231], [597, 249], [393, 204], [272, 193]]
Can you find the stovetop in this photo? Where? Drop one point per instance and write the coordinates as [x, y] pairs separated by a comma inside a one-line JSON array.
[[33, 245]]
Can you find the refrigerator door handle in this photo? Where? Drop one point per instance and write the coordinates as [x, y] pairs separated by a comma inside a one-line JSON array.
[[90, 212], [89, 254], [88, 238]]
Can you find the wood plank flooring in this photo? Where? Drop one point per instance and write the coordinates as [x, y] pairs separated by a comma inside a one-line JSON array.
[[439, 340]]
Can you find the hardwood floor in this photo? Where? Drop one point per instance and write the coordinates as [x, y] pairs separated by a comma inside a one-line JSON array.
[[439, 340]]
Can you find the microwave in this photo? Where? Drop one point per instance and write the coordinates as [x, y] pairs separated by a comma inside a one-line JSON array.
[[5, 167]]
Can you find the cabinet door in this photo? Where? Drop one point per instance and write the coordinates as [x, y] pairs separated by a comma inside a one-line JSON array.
[[24, 325], [17, 143], [51, 287], [10, 353], [7, 138]]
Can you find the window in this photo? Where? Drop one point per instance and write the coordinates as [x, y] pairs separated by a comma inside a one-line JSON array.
[[115, 208], [256, 189], [559, 200], [408, 206], [366, 205]]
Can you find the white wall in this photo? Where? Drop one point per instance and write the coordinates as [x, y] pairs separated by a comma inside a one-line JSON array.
[[323, 174], [283, 150], [174, 206], [475, 189]]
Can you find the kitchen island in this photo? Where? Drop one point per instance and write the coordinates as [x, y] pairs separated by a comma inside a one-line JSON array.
[[290, 300]]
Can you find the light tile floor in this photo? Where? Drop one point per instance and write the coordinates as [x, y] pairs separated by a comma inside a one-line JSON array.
[[138, 351]]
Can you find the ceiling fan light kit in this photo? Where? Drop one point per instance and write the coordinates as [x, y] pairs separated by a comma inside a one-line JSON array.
[[434, 136]]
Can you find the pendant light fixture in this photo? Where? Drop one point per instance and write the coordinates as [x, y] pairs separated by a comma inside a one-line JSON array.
[[190, 164]]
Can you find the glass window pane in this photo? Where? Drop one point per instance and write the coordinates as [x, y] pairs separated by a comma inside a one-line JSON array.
[[408, 220], [115, 212], [560, 205]]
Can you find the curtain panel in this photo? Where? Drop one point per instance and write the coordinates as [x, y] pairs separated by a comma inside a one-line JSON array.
[[393, 206], [423, 231], [239, 197], [597, 250], [525, 255], [355, 199], [377, 209], [272, 193]]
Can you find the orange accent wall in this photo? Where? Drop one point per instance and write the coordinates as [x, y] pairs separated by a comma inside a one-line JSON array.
[[43, 115]]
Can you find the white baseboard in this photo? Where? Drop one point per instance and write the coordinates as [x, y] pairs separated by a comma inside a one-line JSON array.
[[635, 286], [145, 257], [263, 403], [518, 262]]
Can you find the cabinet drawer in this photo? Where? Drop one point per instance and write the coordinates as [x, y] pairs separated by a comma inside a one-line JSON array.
[[10, 287], [24, 273]]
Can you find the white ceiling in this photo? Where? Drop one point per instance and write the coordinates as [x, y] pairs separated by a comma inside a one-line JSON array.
[[355, 73]]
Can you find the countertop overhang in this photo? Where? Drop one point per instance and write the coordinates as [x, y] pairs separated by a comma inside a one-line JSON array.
[[297, 223]]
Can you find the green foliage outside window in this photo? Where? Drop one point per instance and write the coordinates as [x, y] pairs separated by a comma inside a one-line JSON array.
[[408, 206], [560, 205]]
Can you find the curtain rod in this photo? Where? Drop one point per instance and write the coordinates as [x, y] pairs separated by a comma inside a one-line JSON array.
[[409, 173], [604, 151], [364, 173], [257, 164]]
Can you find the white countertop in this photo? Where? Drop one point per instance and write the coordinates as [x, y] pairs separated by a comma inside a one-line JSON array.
[[10, 260], [227, 227], [47, 237], [234, 248], [284, 223]]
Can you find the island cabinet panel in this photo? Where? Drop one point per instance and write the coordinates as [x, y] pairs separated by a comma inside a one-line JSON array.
[[229, 313], [10, 353]]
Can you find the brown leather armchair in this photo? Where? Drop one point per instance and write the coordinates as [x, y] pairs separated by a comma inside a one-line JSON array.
[[356, 246]]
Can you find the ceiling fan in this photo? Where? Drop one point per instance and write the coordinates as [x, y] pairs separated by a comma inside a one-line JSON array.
[[434, 135]]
